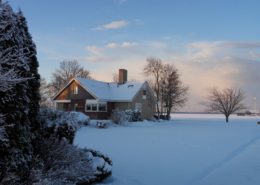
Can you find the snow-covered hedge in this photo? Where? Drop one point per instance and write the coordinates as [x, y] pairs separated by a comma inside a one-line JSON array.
[[62, 124]]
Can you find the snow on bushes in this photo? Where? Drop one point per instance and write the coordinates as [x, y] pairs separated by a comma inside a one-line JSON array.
[[64, 163], [133, 115], [75, 119], [62, 124], [82, 118], [101, 164], [129, 115], [118, 116]]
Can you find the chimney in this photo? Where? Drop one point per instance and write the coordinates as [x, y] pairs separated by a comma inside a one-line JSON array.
[[122, 76]]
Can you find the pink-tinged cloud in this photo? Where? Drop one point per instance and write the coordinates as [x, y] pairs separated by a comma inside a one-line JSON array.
[[202, 65]]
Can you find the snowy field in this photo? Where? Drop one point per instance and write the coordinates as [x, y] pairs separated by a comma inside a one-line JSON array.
[[192, 149]]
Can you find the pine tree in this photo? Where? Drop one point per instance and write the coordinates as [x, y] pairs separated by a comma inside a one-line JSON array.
[[34, 81], [18, 104]]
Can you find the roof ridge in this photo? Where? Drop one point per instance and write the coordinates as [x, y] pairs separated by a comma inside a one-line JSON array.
[[132, 81], [91, 79]]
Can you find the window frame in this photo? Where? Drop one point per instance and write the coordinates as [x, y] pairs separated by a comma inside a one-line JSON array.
[[91, 102], [76, 89]]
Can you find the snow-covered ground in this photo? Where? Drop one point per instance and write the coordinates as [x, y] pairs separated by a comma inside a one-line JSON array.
[[192, 149]]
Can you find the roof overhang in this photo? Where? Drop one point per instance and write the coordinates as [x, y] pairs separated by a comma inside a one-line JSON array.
[[62, 101]]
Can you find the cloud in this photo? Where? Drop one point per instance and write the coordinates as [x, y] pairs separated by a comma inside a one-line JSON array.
[[202, 64], [109, 52], [95, 54], [113, 25], [114, 45], [221, 64]]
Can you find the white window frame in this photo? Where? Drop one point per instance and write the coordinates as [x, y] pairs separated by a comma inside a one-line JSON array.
[[95, 102], [76, 90]]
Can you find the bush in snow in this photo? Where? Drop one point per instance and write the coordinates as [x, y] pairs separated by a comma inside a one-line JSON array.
[[63, 163], [133, 115], [101, 164], [130, 115], [82, 119], [61, 124], [118, 116]]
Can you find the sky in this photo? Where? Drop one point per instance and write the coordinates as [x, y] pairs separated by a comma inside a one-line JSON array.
[[213, 43]]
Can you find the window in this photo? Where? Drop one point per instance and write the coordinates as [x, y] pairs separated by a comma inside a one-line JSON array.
[[76, 90], [88, 107], [144, 94], [95, 106], [75, 107], [102, 107]]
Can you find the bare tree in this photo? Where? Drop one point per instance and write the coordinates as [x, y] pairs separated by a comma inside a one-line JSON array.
[[173, 92], [68, 69], [154, 68], [115, 78], [227, 101], [46, 93]]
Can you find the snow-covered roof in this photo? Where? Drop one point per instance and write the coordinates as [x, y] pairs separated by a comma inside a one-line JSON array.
[[111, 91]]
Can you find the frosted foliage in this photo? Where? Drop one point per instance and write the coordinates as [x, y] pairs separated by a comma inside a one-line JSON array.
[[12, 57], [8, 80], [16, 54], [65, 164], [46, 94], [118, 116], [57, 118], [2, 131], [16, 100]]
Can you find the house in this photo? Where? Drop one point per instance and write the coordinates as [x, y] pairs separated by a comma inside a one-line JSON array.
[[98, 99]]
